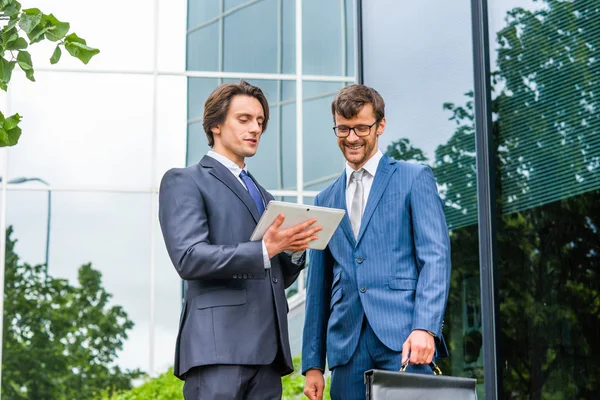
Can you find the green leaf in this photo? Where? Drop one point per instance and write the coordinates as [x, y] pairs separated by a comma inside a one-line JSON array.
[[79, 49], [4, 139], [74, 38], [19, 44], [13, 136], [56, 55], [12, 8], [24, 60], [30, 19], [6, 68], [11, 122], [9, 36], [13, 22], [37, 35], [58, 29]]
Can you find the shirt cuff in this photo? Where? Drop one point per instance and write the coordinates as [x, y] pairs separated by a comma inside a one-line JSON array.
[[266, 260]]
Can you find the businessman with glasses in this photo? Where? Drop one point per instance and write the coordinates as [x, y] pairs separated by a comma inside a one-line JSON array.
[[376, 295]]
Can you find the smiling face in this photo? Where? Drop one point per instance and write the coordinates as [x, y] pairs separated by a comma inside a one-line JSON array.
[[238, 136], [358, 150]]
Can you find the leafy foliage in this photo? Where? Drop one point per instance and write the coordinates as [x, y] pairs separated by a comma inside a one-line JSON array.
[[60, 341], [24, 28]]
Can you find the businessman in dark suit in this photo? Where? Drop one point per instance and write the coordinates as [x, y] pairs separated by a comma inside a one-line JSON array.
[[233, 334], [376, 295]]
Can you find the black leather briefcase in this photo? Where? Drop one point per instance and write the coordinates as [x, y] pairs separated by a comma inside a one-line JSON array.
[[391, 385]]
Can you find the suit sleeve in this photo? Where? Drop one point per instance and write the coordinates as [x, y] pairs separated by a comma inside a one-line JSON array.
[[432, 246], [318, 296], [291, 267], [184, 224]]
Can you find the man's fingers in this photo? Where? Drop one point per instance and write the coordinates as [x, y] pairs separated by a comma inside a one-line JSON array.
[[405, 351], [278, 221]]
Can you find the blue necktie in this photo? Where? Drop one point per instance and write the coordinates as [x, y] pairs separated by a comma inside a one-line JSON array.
[[254, 193]]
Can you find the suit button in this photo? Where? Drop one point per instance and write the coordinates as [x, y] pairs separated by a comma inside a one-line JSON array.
[[250, 276], [359, 260], [235, 277], [245, 276], [274, 280], [363, 289]]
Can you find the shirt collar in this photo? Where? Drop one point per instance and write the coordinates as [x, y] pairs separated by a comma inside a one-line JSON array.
[[227, 163], [370, 166]]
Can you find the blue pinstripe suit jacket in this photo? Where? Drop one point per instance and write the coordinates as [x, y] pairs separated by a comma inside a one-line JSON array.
[[397, 272]]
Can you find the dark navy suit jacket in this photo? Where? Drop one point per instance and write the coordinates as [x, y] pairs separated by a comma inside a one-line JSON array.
[[235, 310], [396, 273]]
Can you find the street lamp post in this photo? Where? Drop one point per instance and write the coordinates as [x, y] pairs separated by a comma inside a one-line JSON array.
[[48, 218]]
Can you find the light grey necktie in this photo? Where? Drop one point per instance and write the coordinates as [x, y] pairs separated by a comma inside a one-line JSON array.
[[356, 210]]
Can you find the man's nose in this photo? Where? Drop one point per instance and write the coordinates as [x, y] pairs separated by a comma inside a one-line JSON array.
[[352, 136], [255, 127]]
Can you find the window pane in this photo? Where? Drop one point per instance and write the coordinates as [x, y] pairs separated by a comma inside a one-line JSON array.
[[548, 163], [326, 37], [268, 46], [323, 160], [83, 129], [170, 124], [111, 232], [430, 121]]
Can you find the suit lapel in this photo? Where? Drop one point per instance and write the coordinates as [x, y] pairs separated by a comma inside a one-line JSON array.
[[339, 201], [220, 172], [385, 170]]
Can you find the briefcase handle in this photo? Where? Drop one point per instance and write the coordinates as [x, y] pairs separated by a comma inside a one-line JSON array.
[[436, 370]]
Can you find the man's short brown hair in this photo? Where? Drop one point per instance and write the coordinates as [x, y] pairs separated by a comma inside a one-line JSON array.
[[351, 99], [217, 105]]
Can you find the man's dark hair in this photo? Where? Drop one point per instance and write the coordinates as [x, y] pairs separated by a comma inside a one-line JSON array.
[[351, 99], [217, 105]]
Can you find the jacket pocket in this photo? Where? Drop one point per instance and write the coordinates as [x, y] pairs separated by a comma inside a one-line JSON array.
[[403, 284], [220, 298]]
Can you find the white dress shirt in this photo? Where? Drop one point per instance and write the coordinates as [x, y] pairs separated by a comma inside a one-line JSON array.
[[236, 171], [370, 168]]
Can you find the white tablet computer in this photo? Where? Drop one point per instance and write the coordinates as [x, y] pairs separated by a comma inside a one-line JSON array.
[[328, 218]]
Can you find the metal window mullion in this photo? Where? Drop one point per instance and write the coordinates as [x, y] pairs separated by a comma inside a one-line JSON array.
[[279, 94], [344, 37], [221, 38], [486, 211], [154, 199], [299, 108], [358, 47]]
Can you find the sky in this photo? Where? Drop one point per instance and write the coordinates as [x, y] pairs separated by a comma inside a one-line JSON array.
[[90, 134]]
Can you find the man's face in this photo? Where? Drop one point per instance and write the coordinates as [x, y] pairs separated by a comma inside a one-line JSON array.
[[238, 136], [358, 150]]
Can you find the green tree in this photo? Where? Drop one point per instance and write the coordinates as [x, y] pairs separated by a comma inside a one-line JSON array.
[[60, 341], [21, 29]]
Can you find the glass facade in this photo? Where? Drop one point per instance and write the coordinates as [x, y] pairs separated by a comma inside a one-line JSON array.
[[547, 140], [79, 194]]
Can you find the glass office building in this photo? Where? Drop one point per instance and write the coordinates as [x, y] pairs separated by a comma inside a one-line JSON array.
[[499, 97]]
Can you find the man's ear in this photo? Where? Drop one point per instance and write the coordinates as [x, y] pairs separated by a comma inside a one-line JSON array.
[[381, 126], [216, 130]]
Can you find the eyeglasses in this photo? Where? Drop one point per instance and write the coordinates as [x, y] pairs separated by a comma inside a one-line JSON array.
[[343, 131]]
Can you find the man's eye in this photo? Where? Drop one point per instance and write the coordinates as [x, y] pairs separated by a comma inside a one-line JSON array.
[[343, 129], [361, 128], [243, 121]]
